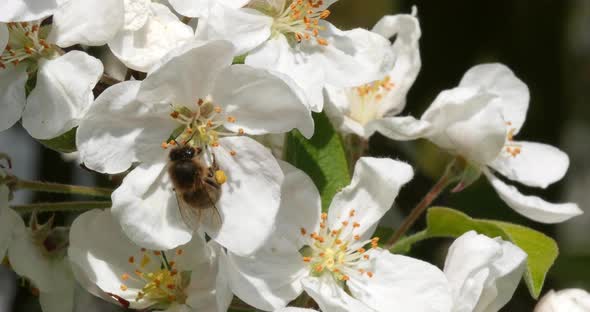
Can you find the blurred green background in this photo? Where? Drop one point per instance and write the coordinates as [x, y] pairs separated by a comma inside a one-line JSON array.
[[545, 42]]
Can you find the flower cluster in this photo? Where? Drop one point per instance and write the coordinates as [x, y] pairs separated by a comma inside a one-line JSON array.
[[206, 217]]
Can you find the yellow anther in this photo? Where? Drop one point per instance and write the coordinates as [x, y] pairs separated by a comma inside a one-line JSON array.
[[306, 259], [303, 231], [220, 178], [324, 216], [123, 287], [131, 259], [231, 119], [145, 260], [125, 276], [233, 153]]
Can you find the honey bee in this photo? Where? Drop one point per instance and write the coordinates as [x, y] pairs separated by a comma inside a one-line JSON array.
[[196, 185]]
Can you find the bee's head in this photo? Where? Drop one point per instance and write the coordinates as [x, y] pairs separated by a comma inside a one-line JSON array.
[[184, 153]]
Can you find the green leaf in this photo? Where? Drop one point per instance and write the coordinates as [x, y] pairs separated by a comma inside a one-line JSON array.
[[541, 249], [322, 157], [65, 143]]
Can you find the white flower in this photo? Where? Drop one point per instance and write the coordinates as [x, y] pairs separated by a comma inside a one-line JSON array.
[[351, 109], [291, 37], [334, 267], [478, 121], [175, 280], [483, 272], [198, 99], [138, 32], [567, 300], [63, 87]]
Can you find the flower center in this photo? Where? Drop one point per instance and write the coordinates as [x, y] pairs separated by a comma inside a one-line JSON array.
[[162, 283], [301, 19], [338, 252], [511, 148], [25, 43], [201, 126], [365, 100]]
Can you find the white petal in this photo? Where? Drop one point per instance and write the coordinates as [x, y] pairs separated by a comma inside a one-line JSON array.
[[374, 187], [479, 138], [147, 208], [267, 280], [4, 36], [301, 206], [260, 102], [507, 273], [137, 13], [353, 57], [483, 272], [294, 309], [28, 259], [173, 82], [209, 289], [537, 164], [455, 117], [244, 28], [118, 130], [160, 34], [513, 94], [402, 283], [533, 207], [88, 22], [466, 267], [250, 197], [400, 128], [12, 95], [26, 10], [58, 301], [191, 8], [277, 55], [331, 297], [407, 58], [62, 95], [567, 300]]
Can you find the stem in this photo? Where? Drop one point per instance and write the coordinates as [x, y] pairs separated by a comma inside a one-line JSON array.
[[75, 206], [63, 188], [447, 178], [404, 244], [357, 148]]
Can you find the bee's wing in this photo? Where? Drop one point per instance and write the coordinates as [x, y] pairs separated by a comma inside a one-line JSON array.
[[189, 214], [211, 216]]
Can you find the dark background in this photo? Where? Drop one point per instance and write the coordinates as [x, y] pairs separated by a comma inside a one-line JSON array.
[[546, 43]]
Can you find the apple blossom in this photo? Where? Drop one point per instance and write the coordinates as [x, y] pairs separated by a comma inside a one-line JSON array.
[[483, 272], [352, 108], [570, 300], [194, 98], [478, 121], [332, 256], [184, 278], [63, 83], [292, 38], [138, 32]]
